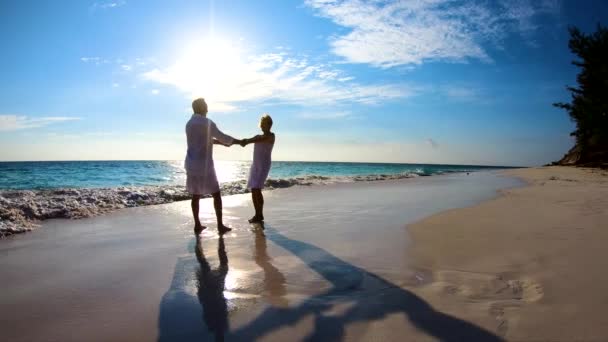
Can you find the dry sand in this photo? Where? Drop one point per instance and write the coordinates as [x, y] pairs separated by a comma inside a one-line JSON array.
[[533, 260]]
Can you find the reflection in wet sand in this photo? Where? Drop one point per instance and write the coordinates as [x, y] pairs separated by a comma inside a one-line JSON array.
[[274, 280], [363, 297], [369, 298], [204, 317], [211, 290]]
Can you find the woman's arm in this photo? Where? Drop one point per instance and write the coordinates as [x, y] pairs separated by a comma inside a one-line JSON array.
[[258, 138]]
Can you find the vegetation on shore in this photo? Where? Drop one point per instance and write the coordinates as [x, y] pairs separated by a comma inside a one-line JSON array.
[[588, 107]]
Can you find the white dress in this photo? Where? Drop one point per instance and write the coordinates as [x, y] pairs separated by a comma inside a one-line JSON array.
[[260, 167], [200, 171]]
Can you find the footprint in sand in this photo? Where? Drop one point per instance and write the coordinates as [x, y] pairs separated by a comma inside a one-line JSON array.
[[484, 286], [500, 292]]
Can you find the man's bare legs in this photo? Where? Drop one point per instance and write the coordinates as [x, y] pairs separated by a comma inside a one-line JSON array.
[[217, 204], [198, 227], [258, 205]]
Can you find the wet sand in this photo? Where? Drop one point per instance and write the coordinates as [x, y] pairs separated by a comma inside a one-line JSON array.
[[332, 263], [534, 259]]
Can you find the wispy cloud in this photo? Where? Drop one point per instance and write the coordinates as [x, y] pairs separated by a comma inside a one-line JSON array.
[[19, 122], [108, 4], [460, 92], [391, 33], [225, 79], [130, 65], [324, 115], [95, 60]]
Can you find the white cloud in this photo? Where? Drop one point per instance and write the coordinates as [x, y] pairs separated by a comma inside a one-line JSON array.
[[89, 59], [218, 73], [95, 60], [155, 92], [391, 33], [126, 67], [18, 122], [108, 4]]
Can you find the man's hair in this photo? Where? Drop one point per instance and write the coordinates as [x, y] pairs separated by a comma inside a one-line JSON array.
[[266, 118], [199, 106]]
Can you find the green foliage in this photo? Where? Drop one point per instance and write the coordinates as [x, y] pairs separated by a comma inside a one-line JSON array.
[[589, 104]]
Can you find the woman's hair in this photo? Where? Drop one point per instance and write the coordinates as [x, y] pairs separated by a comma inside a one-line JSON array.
[[266, 118]]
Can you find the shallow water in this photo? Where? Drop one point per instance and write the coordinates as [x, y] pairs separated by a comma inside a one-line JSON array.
[[108, 174]]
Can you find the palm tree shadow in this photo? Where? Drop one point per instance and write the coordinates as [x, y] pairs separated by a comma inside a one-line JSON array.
[[180, 311], [371, 297]]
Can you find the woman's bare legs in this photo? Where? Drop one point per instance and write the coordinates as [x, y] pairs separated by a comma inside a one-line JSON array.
[[258, 205]]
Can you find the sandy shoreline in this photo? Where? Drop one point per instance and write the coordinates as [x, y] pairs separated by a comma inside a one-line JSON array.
[[331, 263], [531, 262], [23, 210], [334, 263]]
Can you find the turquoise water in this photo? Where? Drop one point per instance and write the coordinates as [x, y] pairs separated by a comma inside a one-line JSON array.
[[108, 174]]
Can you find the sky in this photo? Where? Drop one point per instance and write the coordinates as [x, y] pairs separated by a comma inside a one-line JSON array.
[[421, 81]]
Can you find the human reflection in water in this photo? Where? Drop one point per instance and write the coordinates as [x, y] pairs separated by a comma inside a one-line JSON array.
[[211, 289], [274, 280]]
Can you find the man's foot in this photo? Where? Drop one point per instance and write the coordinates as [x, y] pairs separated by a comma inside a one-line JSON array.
[[223, 229], [256, 219], [198, 228]]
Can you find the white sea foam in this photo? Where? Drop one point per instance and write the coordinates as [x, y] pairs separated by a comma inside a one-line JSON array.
[[20, 210]]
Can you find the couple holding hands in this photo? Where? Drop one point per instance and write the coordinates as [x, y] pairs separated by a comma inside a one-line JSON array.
[[201, 180]]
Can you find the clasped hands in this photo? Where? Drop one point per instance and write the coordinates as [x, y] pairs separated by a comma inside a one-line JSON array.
[[242, 142]]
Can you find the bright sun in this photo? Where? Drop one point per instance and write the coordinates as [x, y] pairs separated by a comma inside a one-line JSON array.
[[207, 67], [221, 72]]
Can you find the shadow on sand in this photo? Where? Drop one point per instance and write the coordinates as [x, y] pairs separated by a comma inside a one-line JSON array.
[[181, 312], [368, 296]]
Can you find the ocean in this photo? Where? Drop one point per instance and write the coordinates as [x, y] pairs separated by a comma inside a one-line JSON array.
[[111, 174]]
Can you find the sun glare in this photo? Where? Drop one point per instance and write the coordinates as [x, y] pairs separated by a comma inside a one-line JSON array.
[[208, 67]]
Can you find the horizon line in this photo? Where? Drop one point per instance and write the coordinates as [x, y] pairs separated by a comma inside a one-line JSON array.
[[248, 160]]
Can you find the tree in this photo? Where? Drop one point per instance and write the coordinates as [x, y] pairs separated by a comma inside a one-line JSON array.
[[589, 105]]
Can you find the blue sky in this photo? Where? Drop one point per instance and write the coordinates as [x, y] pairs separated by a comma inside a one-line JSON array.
[[429, 81]]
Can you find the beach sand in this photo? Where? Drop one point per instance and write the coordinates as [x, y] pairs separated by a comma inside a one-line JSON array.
[[333, 263], [534, 259]]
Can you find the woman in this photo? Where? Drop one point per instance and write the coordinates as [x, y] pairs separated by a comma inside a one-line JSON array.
[[260, 167]]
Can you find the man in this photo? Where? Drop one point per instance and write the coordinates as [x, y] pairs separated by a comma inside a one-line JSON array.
[[201, 180]]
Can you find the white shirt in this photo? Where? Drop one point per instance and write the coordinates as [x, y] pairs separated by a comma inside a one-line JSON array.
[[200, 133]]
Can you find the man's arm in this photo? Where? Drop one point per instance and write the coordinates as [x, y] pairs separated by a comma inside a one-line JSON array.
[[218, 135], [217, 142]]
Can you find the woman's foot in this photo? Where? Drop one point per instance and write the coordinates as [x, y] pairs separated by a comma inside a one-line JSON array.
[[223, 229], [256, 219], [198, 228]]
